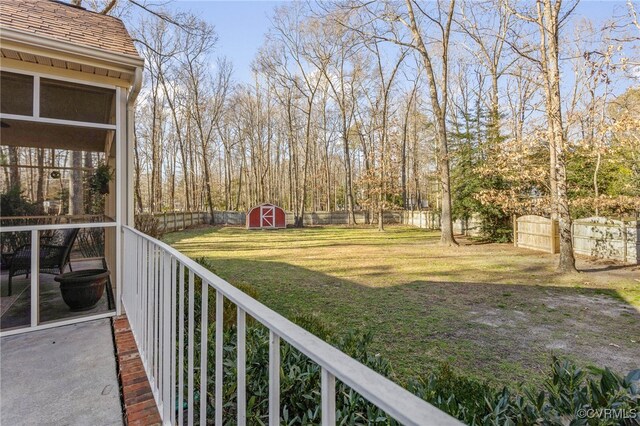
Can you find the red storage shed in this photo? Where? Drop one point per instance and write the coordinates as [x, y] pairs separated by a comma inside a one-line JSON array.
[[266, 216]]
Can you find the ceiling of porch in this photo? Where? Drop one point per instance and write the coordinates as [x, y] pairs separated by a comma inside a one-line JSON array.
[[43, 135]]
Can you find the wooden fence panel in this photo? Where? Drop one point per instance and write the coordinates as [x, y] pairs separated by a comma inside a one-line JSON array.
[[471, 226], [537, 233], [421, 219], [176, 221], [607, 239], [597, 237], [228, 217]]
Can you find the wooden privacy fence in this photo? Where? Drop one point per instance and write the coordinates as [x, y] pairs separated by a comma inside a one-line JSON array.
[[327, 218], [471, 226], [421, 219], [593, 236], [536, 233], [176, 221], [607, 239], [342, 218], [228, 217]]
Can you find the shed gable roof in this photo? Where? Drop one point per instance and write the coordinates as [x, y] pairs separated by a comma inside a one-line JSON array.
[[59, 21], [266, 204]]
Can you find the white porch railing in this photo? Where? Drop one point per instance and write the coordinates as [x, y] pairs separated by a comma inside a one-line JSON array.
[[154, 297]]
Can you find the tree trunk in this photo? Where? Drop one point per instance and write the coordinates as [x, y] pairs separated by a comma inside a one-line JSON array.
[[41, 178], [77, 200], [440, 112], [14, 171], [348, 180], [595, 181], [550, 29]]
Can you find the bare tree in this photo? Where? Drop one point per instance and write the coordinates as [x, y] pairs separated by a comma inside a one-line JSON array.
[[547, 17], [429, 35]]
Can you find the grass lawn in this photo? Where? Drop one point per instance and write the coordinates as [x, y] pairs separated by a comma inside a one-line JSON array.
[[491, 310]]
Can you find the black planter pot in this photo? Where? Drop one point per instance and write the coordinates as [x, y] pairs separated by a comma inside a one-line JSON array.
[[81, 290]]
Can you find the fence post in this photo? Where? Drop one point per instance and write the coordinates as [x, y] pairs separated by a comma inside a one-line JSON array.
[[515, 230], [554, 229], [624, 241]]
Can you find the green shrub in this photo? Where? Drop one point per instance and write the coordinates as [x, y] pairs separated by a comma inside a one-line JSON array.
[[462, 397], [569, 392], [148, 224], [299, 381], [313, 325], [14, 203]]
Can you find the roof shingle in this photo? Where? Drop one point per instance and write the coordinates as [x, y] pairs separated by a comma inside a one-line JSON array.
[[55, 20]]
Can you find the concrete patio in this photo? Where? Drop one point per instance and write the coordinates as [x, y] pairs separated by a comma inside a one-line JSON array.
[[60, 376]]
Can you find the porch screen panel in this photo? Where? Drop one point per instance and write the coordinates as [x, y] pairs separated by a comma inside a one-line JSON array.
[[77, 102], [16, 93]]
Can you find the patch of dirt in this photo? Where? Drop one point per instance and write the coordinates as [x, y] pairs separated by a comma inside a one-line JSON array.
[[500, 318], [601, 304], [591, 328]]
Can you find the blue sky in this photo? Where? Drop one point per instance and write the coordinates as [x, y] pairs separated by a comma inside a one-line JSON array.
[[242, 25]]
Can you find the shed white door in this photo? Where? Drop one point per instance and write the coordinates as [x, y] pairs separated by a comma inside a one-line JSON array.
[[267, 217]]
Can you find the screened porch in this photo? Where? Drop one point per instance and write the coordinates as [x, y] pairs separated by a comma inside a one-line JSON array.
[[60, 199]]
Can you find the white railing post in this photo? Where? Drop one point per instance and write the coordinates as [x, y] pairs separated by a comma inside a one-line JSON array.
[[274, 379], [242, 367], [181, 346], [125, 275], [328, 395], [167, 344], [35, 278], [172, 342], [136, 273], [156, 313], [144, 302], [203, 352], [160, 326], [219, 354], [150, 306], [190, 372], [139, 306]]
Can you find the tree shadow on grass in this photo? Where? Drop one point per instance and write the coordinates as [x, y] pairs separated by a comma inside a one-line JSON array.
[[611, 267]]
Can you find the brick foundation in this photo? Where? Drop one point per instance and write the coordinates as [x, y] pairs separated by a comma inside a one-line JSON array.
[[139, 406]]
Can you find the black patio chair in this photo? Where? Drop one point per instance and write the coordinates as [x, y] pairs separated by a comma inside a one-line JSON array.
[[54, 255]]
